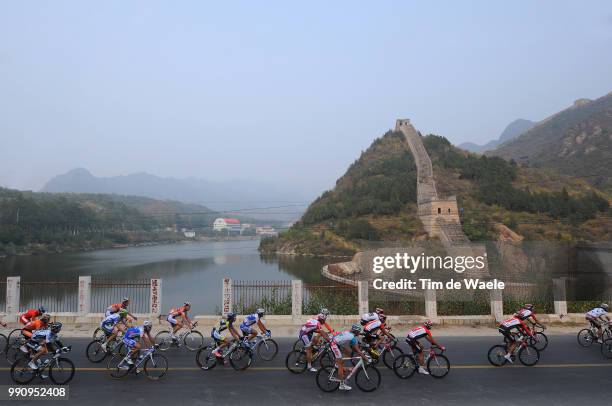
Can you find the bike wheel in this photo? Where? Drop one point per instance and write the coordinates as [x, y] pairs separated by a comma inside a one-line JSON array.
[[241, 358], [606, 348], [529, 355], [206, 359], [296, 361], [13, 336], [21, 373], [540, 341], [13, 353], [404, 366], [585, 337], [390, 355], [3, 343], [99, 334], [94, 352], [194, 340], [156, 366], [496, 355], [326, 359], [438, 366], [326, 379], [113, 367], [164, 339], [368, 380], [267, 350], [61, 371], [298, 344]]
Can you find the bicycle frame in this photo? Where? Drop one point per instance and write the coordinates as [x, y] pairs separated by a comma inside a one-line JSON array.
[[357, 366]]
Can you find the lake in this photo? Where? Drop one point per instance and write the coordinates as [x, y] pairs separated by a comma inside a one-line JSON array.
[[190, 271]]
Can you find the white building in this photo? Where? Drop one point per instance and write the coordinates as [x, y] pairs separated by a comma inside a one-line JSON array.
[[228, 224], [266, 231]]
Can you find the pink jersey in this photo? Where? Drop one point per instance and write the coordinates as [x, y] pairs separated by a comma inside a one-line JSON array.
[[524, 314], [311, 325]]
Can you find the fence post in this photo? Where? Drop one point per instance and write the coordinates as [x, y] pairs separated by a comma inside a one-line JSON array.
[[84, 295], [155, 297], [431, 305], [497, 304], [13, 287], [226, 297], [296, 298], [560, 295], [362, 297]]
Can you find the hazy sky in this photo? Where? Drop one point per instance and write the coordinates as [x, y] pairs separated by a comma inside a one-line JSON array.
[[278, 91]]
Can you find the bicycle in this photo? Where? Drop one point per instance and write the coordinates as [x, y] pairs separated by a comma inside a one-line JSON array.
[[3, 343], [389, 352], [192, 339], [606, 348], [155, 365], [587, 336], [539, 339], [367, 377], [99, 332], [527, 353], [264, 346], [61, 369], [239, 353], [16, 348], [96, 354], [436, 363], [296, 361]]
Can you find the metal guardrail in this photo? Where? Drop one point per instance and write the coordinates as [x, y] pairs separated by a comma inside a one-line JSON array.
[[56, 296], [273, 296], [105, 293]]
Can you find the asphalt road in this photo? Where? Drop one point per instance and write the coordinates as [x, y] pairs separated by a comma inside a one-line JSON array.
[[566, 375]]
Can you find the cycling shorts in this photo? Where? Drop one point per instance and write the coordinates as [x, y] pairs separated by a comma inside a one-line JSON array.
[[509, 337], [171, 320], [372, 326], [594, 322], [216, 336], [246, 330], [130, 342], [417, 343], [336, 350], [107, 328], [307, 338], [34, 345]]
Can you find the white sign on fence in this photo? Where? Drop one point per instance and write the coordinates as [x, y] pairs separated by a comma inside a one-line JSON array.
[[155, 299], [227, 296]]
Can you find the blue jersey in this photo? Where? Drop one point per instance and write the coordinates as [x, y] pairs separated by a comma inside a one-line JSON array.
[[345, 338], [111, 320], [45, 335], [250, 319], [134, 332]]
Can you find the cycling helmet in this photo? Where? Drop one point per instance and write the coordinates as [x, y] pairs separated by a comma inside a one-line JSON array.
[[260, 312], [55, 327], [379, 311], [187, 304], [231, 316], [428, 324], [46, 317], [147, 325], [125, 299], [604, 306], [355, 328], [42, 310], [325, 311], [321, 317], [528, 306], [382, 318]]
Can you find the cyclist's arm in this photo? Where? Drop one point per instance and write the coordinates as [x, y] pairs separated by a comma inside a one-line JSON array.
[[358, 350], [149, 339], [234, 332], [261, 326], [433, 342], [187, 318], [328, 327], [322, 333]]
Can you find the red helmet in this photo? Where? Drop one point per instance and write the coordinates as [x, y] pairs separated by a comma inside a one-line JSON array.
[[428, 324]]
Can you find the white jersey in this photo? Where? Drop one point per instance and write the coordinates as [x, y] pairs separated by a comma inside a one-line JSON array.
[[370, 316], [596, 313], [311, 325]]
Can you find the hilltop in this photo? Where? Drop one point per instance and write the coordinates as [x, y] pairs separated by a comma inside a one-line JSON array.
[[576, 142], [375, 200]]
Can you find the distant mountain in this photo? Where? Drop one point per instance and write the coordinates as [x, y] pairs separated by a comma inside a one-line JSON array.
[[234, 195], [513, 130], [576, 141]]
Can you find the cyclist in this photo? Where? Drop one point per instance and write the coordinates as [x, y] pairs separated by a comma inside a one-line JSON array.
[[526, 313], [372, 316], [32, 315], [508, 328], [131, 339], [325, 324], [177, 318], [226, 323], [256, 318], [308, 337], [43, 341], [114, 308], [38, 324], [596, 317], [112, 325], [415, 338], [341, 343], [374, 332]]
